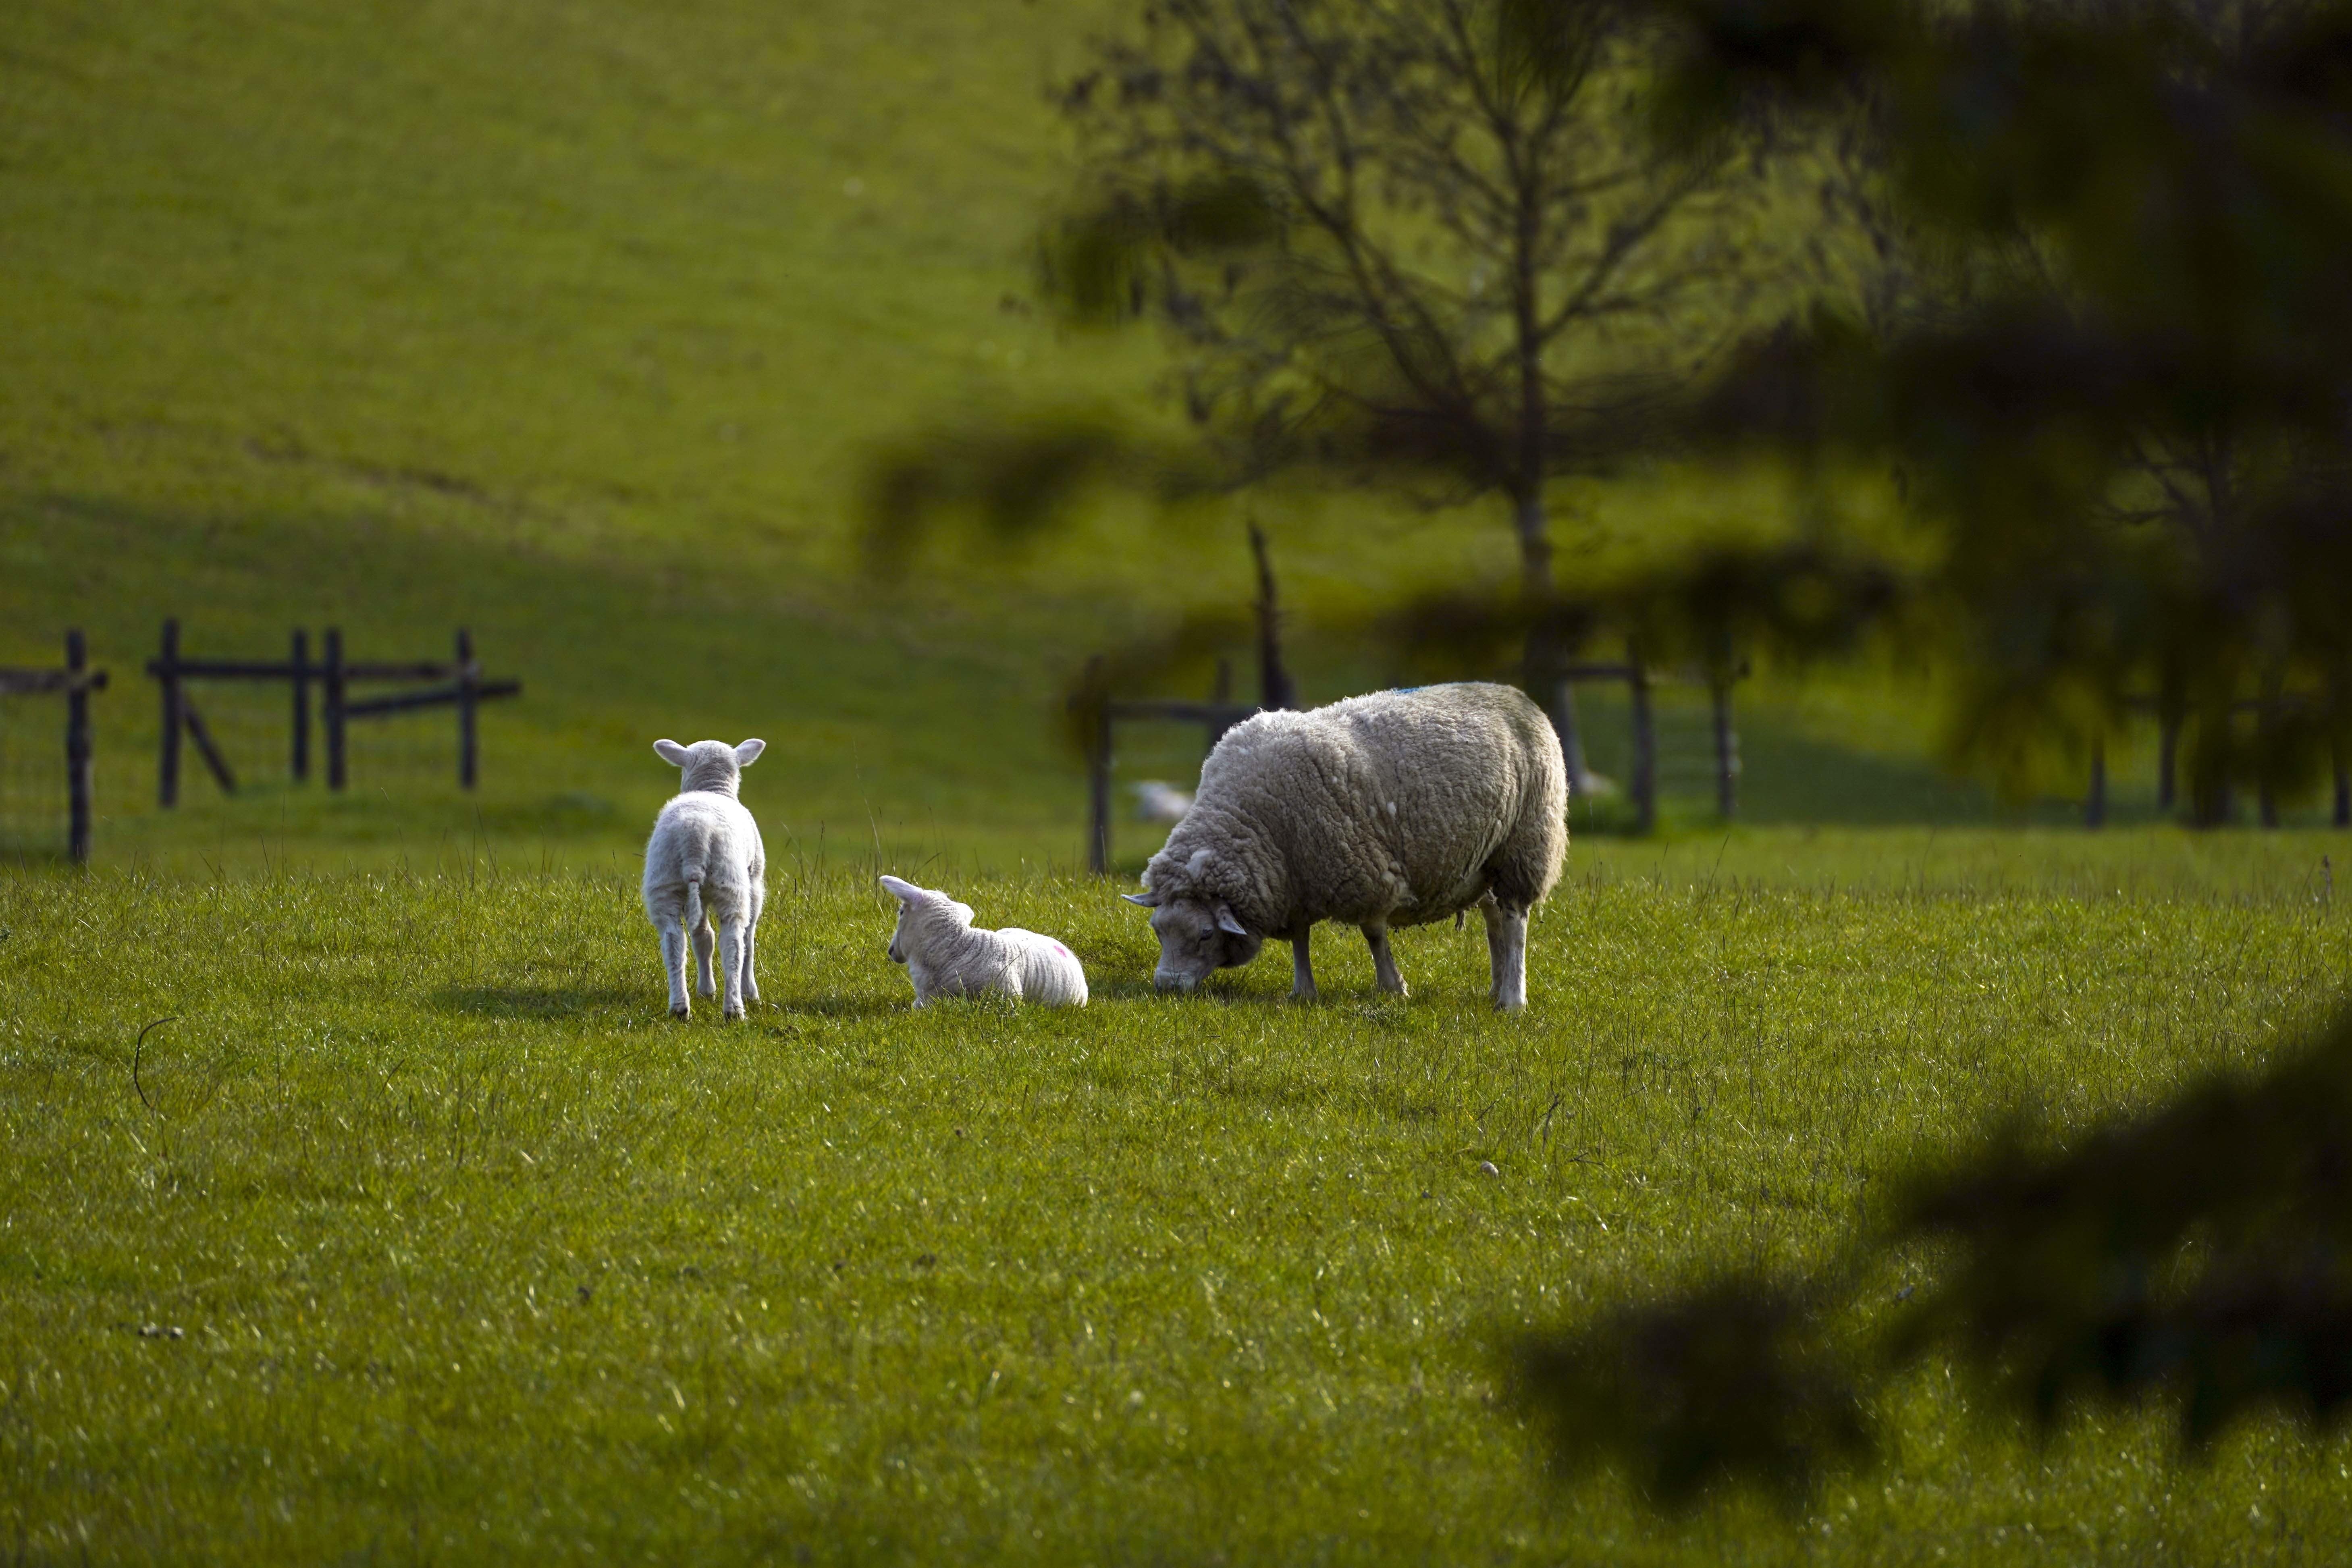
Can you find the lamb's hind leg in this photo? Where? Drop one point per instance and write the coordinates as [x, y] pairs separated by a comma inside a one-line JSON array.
[[1506, 954], [1302, 970], [1383, 960], [730, 965], [703, 985], [672, 947]]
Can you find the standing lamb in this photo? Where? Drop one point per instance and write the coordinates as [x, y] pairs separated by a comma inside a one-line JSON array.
[[946, 957], [1394, 809], [705, 862]]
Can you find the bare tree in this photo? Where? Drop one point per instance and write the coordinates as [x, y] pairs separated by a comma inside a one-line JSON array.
[[1428, 239]]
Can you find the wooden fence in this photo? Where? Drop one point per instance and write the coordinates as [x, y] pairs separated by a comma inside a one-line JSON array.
[[74, 682], [1221, 713], [456, 684], [2167, 752]]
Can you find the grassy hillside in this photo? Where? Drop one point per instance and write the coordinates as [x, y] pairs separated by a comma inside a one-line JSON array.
[[423, 1235], [577, 324]]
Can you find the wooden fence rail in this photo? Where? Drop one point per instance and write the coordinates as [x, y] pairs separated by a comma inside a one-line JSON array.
[[1219, 714], [463, 688], [2167, 773], [74, 682]]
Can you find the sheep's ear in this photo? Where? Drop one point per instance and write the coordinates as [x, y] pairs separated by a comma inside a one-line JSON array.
[[1226, 920], [749, 753], [907, 892], [1149, 901], [671, 753]]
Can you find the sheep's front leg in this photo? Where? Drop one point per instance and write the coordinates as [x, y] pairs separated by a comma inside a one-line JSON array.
[[730, 965], [672, 946], [703, 986], [1302, 970], [1506, 953], [1383, 960]]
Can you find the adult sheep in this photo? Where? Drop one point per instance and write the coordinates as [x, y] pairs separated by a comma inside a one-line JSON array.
[[1394, 809]]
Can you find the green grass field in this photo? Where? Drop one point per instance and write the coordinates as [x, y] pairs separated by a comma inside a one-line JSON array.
[[423, 1235]]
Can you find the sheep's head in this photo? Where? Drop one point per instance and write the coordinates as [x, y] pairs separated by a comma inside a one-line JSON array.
[[712, 765], [920, 910], [1199, 934]]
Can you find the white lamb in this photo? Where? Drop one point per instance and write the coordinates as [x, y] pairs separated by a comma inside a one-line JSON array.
[[704, 863], [946, 957], [1393, 809]]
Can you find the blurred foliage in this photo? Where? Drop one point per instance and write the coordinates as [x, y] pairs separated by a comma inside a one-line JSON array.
[[1413, 242], [2113, 375], [1731, 1381], [2111, 366], [2199, 1252]]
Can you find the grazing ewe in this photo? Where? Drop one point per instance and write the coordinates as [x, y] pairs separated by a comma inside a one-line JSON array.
[[705, 862], [946, 957], [1393, 809]]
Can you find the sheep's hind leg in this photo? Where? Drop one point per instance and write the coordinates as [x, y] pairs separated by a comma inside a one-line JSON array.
[[703, 985], [1302, 970], [672, 946], [730, 965], [750, 982], [1383, 960], [1506, 954]]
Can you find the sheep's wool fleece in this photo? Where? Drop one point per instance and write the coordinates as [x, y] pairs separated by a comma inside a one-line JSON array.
[[1395, 808]]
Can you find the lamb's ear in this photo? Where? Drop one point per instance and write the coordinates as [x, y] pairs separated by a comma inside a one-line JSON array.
[[907, 892], [1226, 920], [671, 753], [749, 753], [1149, 901]]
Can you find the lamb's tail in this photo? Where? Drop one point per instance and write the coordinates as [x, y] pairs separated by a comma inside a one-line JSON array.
[[693, 898]]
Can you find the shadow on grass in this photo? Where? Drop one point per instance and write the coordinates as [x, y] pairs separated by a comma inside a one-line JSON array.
[[535, 1001]]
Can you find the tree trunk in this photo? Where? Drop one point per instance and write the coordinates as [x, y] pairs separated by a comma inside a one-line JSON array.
[[1545, 660]]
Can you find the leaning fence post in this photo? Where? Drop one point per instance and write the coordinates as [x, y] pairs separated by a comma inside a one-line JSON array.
[[301, 668], [1726, 753], [1098, 789], [1645, 747], [332, 707], [167, 761], [77, 748], [468, 678], [2094, 802]]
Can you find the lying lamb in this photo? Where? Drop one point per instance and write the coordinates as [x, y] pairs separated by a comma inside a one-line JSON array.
[[1393, 809], [705, 862], [946, 957]]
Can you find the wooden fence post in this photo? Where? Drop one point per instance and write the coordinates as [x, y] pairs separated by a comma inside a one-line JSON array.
[[301, 666], [2095, 804], [2265, 738], [167, 762], [468, 679], [333, 708], [1726, 753], [77, 748], [2168, 754], [1096, 695], [1645, 747]]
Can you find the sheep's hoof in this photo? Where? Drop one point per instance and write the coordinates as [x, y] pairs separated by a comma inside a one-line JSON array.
[[734, 1014], [680, 1010], [705, 989]]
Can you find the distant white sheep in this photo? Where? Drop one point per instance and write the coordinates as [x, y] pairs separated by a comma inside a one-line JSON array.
[[704, 863], [1388, 810], [1157, 802], [946, 957]]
